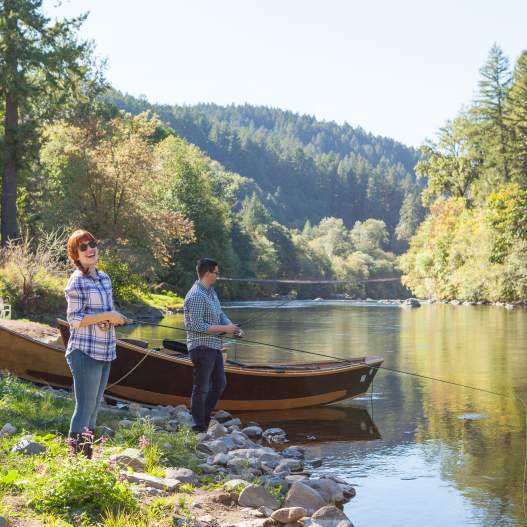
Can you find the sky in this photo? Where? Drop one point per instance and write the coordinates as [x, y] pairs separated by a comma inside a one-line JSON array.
[[396, 68]]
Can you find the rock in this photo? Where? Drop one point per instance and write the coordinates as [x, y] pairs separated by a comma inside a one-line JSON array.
[[106, 431], [131, 457], [217, 446], [331, 516], [317, 462], [302, 495], [289, 465], [233, 484], [172, 425], [220, 459], [28, 447], [185, 475], [275, 435], [168, 484], [8, 430], [328, 489], [255, 496], [265, 512], [232, 422], [217, 430], [125, 423], [208, 469], [158, 420], [222, 416], [252, 431], [411, 302], [289, 514], [294, 452], [348, 491], [261, 455], [240, 439], [3, 522]]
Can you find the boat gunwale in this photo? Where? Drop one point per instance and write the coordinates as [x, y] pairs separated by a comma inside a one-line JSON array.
[[340, 366]]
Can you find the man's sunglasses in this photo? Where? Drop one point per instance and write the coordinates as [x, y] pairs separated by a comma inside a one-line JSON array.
[[83, 246]]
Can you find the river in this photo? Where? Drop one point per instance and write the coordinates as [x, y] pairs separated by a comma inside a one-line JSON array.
[[419, 452]]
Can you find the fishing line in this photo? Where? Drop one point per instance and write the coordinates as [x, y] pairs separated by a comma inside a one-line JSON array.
[[385, 368]]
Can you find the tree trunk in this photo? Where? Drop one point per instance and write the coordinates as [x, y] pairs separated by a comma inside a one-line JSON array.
[[9, 228]]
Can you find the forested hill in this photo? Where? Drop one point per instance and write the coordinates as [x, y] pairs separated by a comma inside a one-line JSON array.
[[305, 169]]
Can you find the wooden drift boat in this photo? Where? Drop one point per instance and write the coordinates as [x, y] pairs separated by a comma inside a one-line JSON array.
[[165, 377]]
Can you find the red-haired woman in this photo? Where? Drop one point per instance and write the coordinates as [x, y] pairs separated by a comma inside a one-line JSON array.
[[91, 346]]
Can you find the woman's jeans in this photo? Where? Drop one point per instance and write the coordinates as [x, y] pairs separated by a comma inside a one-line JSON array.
[[90, 377], [208, 384]]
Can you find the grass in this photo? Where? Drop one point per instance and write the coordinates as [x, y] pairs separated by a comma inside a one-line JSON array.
[[65, 491]]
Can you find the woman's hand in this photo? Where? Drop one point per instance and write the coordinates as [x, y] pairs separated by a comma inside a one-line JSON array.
[[115, 318]]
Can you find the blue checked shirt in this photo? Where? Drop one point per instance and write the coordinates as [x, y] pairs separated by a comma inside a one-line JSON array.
[[202, 309], [87, 295]]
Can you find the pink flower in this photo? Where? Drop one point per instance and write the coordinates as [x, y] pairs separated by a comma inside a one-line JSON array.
[[143, 442], [87, 435], [40, 469]]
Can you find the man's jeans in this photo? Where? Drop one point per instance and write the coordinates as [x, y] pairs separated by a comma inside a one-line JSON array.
[[90, 377], [208, 384]]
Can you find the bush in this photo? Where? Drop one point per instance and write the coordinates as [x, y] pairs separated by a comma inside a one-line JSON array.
[[127, 286], [79, 483]]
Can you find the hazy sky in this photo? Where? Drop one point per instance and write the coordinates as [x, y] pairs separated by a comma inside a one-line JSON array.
[[396, 68]]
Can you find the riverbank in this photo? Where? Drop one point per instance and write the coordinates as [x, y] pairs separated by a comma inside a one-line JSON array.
[[149, 469]]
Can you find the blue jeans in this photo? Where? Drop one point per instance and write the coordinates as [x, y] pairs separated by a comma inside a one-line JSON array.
[[208, 376], [90, 377]]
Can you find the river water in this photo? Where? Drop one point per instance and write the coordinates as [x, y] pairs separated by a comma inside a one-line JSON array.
[[420, 452]]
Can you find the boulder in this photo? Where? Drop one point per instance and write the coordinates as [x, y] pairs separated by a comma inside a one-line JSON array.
[[131, 457], [255, 496], [125, 423], [289, 465], [168, 484], [252, 432], [233, 484], [235, 421], [222, 416], [288, 514], [8, 430], [275, 435], [331, 516], [28, 447], [185, 475], [330, 491], [106, 431], [411, 302], [217, 430], [294, 452], [302, 495]]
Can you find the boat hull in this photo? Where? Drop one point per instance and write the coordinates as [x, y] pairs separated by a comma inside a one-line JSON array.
[[162, 379]]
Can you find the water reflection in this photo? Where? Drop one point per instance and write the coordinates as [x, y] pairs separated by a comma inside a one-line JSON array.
[[432, 466]]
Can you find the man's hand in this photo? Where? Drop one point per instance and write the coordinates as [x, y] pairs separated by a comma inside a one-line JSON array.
[[115, 318], [232, 329]]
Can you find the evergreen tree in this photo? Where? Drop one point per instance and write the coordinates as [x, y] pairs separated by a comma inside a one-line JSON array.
[[38, 60], [493, 87], [516, 106]]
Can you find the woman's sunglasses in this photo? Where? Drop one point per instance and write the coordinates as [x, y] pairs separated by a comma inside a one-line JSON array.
[[83, 246]]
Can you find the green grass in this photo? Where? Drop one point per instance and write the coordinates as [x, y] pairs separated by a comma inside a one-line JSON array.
[[64, 491]]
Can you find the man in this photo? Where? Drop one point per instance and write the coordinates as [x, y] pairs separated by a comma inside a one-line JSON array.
[[205, 322]]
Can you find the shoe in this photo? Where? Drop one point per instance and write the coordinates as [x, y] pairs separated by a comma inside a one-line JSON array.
[[198, 429]]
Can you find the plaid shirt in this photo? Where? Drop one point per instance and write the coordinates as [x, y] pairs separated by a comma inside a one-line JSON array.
[[88, 295], [202, 309]]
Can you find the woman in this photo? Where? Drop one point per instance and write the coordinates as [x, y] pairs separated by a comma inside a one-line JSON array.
[[91, 346]]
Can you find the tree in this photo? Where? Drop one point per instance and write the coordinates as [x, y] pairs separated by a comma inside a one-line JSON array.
[[516, 106], [38, 60], [490, 109], [454, 163], [369, 235]]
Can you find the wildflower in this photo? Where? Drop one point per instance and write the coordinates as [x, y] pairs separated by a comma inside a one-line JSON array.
[[143, 442], [41, 469], [87, 435]]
